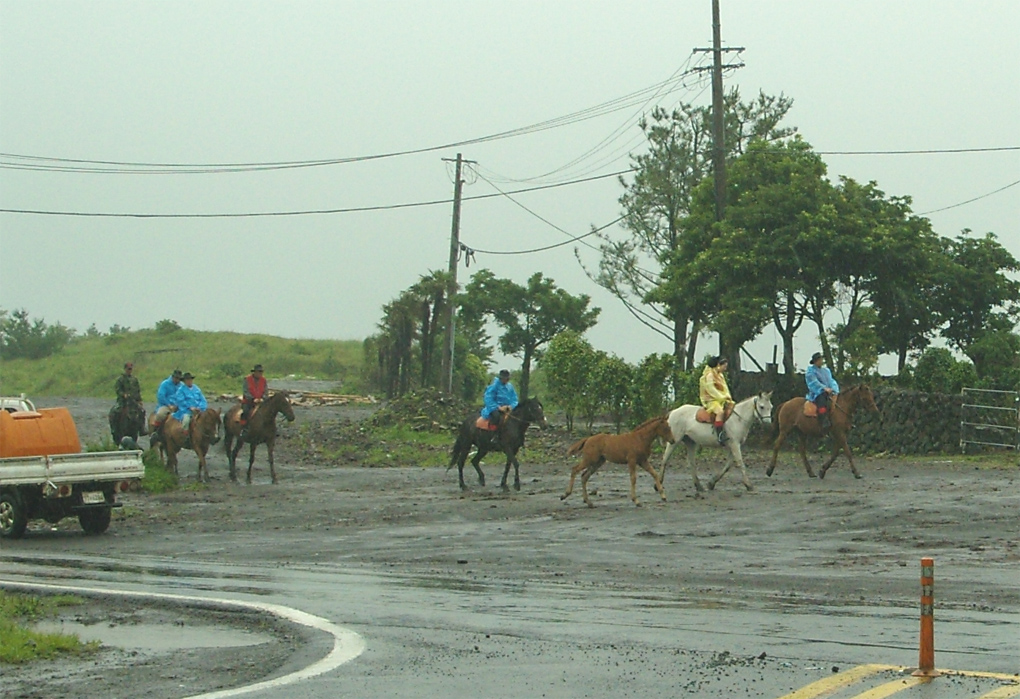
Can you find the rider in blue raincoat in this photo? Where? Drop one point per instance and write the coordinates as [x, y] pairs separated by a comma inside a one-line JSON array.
[[189, 399], [821, 386], [499, 393]]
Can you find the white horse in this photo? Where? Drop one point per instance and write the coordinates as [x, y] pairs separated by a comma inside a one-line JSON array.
[[693, 433]]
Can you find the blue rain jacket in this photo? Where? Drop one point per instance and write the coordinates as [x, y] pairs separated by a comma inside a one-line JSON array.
[[818, 380], [499, 394], [166, 392], [188, 398]]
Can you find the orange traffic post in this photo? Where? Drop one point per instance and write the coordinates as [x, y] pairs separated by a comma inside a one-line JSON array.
[[926, 661]]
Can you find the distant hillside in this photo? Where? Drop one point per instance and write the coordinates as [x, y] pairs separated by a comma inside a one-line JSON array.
[[89, 366]]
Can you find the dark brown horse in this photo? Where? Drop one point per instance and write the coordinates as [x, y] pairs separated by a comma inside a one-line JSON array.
[[509, 438], [632, 448], [128, 420], [203, 431], [791, 417], [261, 430]]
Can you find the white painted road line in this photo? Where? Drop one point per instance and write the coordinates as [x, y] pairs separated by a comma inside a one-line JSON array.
[[347, 645]]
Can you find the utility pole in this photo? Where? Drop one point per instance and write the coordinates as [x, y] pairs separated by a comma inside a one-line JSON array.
[[719, 136], [451, 287]]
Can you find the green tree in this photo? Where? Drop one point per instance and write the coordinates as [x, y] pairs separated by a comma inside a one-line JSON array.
[[611, 383], [855, 345], [653, 388], [657, 201], [977, 295], [568, 362], [530, 316], [23, 338], [996, 357], [938, 371]]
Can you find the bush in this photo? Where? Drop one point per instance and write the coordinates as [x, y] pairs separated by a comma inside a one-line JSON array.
[[167, 326], [937, 371], [21, 338]]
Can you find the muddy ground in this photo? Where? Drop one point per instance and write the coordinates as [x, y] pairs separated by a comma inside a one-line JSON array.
[[837, 542]]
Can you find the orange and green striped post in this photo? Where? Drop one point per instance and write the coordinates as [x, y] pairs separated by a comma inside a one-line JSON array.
[[926, 659]]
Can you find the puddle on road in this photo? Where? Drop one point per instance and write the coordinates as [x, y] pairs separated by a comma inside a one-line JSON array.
[[156, 637]]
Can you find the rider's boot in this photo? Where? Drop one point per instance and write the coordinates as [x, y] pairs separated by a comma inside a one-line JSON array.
[[823, 419], [720, 433]]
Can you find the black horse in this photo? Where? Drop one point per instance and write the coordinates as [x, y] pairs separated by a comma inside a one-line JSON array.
[[509, 438], [127, 420]]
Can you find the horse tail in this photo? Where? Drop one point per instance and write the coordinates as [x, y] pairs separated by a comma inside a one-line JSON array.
[[576, 447], [463, 443]]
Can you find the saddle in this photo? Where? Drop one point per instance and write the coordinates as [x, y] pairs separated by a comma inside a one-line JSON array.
[[811, 410], [484, 423], [709, 418]]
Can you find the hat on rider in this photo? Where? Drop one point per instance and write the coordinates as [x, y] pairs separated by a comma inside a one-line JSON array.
[[257, 367], [187, 375], [816, 356], [504, 372], [177, 374]]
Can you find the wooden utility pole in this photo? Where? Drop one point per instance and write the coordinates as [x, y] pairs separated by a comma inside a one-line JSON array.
[[451, 286], [719, 142]]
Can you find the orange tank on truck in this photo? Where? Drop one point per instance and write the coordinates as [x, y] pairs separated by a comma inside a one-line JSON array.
[[44, 474]]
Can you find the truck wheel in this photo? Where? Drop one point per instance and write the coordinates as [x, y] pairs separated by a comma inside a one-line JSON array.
[[13, 519], [94, 521]]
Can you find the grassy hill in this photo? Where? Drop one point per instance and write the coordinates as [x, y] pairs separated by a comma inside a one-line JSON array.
[[89, 366]]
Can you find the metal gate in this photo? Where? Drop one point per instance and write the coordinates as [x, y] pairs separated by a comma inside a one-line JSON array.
[[990, 418]]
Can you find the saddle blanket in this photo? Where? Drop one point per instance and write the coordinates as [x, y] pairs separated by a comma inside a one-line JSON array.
[[483, 423], [811, 410], [704, 416]]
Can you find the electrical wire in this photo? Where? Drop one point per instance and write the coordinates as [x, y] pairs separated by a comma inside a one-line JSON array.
[[953, 206], [54, 164], [574, 239], [353, 209]]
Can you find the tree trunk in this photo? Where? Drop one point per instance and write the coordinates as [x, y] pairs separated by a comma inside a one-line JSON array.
[[525, 373]]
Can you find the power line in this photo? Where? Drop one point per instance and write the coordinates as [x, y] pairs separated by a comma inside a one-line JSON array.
[[574, 239], [926, 151], [348, 210], [953, 206], [75, 165]]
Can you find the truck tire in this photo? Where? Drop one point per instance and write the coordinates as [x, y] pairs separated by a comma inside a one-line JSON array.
[[95, 520], [13, 518]]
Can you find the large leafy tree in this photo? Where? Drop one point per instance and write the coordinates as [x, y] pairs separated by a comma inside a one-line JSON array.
[[657, 201], [24, 338], [530, 316], [977, 295]]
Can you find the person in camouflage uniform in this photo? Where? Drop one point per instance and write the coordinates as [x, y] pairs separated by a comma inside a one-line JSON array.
[[129, 393]]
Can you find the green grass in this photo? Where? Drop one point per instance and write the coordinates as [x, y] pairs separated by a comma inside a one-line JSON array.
[[89, 367], [398, 445], [20, 644], [158, 478]]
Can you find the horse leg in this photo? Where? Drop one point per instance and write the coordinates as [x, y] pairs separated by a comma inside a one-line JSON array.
[[201, 466], [512, 458], [660, 489], [588, 473], [739, 456], [573, 474], [665, 457], [506, 474], [803, 455], [726, 469], [783, 434], [691, 448], [272, 467], [477, 463], [251, 460]]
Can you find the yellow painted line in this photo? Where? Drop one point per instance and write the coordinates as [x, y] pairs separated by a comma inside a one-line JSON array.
[[1002, 692], [890, 688], [838, 681], [991, 675]]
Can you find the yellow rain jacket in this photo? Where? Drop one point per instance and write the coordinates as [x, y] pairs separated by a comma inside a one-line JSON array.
[[715, 394]]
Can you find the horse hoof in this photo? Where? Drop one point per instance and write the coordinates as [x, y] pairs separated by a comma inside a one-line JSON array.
[[711, 486], [517, 485], [276, 481], [590, 506], [857, 475], [821, 475], [768, 471]]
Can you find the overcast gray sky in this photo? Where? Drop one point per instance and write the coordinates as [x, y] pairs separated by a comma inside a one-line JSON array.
[[252, 82]]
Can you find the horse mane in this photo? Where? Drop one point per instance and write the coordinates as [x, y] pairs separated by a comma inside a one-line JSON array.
[[649, 421]]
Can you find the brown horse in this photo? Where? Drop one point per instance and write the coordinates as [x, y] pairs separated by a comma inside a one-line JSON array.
[[204, 431], [261, 430], [791, 417], [632, 448]]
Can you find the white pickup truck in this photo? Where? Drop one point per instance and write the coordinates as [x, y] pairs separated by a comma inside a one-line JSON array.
[[44, 475]]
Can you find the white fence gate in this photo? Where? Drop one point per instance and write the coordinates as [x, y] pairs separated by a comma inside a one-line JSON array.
[[990, 418]]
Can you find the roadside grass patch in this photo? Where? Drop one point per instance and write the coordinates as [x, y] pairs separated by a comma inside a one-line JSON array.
[[20, 644], [399, 445], [158, 478]]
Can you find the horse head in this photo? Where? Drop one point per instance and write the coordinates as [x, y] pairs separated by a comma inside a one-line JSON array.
[[664, 431], [531, 410], [763, 407], [280, 403], [208, 425], [866, 397]]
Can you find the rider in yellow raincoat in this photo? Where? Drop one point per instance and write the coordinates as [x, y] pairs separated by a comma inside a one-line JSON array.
[[715, 394]]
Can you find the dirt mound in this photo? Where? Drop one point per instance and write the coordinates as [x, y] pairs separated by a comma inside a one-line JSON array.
[[425, 410]]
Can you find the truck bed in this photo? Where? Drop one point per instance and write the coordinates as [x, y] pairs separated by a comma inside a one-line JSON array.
[[72, 468]]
